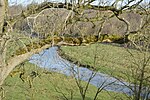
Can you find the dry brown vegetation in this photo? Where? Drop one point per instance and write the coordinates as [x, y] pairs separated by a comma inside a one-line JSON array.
[[44, 22]]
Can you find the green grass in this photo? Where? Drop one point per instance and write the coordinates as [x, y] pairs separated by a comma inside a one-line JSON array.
[[44, 85], [109, 59]]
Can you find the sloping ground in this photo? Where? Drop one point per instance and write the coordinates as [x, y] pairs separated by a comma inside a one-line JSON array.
[[114, 26], [44, 84], [52, 21]]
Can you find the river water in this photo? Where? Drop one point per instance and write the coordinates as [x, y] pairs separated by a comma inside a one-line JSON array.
[[50, 59]]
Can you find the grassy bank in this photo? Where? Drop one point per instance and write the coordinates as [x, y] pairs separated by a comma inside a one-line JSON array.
[[109, 59], [30, 82], [47, 86]]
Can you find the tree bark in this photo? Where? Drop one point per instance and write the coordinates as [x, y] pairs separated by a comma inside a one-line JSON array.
[[2, 15], [3, 10]]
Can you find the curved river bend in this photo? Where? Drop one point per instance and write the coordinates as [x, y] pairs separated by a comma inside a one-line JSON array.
[[51, 60]]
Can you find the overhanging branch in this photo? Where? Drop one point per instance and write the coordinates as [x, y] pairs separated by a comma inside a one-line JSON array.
[[38, 8], [5, 70]]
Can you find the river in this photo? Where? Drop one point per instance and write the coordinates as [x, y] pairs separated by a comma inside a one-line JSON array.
[[50, 59]]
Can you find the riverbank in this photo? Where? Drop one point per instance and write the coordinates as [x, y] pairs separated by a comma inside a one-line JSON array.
[[73, 60], [108, 59]]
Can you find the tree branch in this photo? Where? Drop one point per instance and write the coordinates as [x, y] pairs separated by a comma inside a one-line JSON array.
[[5, 70]]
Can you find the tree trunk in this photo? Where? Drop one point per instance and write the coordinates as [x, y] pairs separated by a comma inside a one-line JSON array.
[[3, 10]]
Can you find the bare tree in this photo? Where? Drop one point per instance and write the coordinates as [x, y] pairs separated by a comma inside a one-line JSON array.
[[6, 66], [140, 59]]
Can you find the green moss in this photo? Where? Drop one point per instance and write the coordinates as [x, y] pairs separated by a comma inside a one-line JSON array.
[[103, 37], [57, 39], [36, 45], [68, 40], [114, 37], [118, 39], [94, 38], [21, 51], [48, 40], [41, 43], [77, 41], [29, 47], [86, 39]]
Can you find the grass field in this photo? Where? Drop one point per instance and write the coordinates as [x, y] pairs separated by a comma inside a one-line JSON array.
[[109, 59], [45, 85]]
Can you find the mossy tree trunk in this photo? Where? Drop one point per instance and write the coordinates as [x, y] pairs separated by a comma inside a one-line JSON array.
[[2, 17], [3, 11]]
